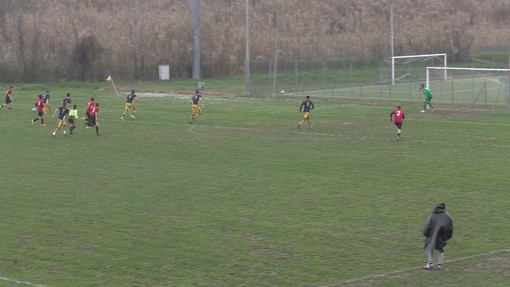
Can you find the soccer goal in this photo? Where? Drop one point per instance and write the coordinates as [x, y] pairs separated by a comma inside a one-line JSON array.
[[475, 86], [409, 68]]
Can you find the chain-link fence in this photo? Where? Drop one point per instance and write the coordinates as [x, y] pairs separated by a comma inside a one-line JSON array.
[[341, 78]]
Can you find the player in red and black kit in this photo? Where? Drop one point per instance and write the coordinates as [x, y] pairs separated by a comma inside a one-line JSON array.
[[93, 117], [40, 110], [398, 116], [8, 98], [89, 108]]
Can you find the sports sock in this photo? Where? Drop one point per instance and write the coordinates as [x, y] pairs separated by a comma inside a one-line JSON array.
[[35, 120], [440, 258], [430, 257]]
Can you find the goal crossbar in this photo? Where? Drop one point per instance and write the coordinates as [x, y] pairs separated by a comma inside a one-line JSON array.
[[441, 55], [460, 69]]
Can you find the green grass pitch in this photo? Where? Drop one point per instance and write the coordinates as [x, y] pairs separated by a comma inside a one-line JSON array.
[[244, 198]]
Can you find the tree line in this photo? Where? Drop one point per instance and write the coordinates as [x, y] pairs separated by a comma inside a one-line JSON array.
[[83, 40]]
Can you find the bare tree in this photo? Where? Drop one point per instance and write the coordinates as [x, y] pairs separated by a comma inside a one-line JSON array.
[[85, 55], [44, 39]]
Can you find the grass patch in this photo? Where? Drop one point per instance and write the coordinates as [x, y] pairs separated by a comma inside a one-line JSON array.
[[244, 198]]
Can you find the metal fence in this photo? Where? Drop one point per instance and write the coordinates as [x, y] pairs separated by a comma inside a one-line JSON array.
[[339, 78]]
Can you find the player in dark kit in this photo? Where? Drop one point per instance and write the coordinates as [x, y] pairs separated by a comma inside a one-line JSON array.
[[398, 116], [67, 99], [307, 106], [131, 100], [47, 106], [63, 111], [196, 102]]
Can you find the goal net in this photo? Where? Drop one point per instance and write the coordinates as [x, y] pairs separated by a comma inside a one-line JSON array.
[[475, 86], [410, 68]]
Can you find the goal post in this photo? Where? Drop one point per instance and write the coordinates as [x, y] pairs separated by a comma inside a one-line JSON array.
[[408, 59]]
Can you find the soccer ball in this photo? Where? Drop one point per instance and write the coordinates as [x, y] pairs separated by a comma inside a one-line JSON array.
[[34, 109], [283, 92]]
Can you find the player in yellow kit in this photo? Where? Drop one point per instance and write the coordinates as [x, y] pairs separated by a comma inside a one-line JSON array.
[[307, 106], [196, 103]]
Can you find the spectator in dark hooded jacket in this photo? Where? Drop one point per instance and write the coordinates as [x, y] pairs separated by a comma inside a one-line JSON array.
[[438, 230]]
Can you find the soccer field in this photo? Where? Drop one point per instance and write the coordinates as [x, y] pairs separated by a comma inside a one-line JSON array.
[[244, 198]]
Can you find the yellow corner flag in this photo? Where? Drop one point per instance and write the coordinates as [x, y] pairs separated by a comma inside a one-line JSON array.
[[109, 79]]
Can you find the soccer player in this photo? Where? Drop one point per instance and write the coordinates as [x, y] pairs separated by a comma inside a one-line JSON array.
[[40, 110], [67, 99], [398, 116], [93, 117], [47, 106], [63, 111], [428, 98], [88, 110], [196, 102], [8, 98], [131, 101], [438, 230], [307, 106], [73, 117]]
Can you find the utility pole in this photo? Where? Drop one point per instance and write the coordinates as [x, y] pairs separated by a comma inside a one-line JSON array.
[[195, 21], [275, 53], [247, 73]]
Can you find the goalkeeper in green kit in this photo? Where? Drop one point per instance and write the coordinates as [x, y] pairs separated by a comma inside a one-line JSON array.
[[428, 98]]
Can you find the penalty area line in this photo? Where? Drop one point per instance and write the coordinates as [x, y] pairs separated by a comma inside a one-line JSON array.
[[382, 275], [21, 282]]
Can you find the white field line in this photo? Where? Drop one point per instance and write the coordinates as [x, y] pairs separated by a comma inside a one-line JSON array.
[[329, 285], [342, 137], [191, 130], [411, 269], [21, 282]]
